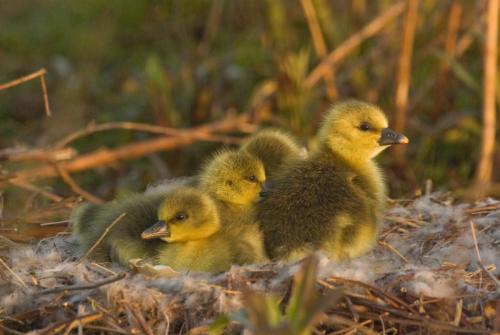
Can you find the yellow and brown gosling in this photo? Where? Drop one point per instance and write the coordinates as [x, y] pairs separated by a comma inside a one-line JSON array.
[[189, 225], [333, 200]]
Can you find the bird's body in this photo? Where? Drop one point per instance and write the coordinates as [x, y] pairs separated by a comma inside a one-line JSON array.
[[122, 241], [214, 254], [321, 216], [276, 149], [334, 199]]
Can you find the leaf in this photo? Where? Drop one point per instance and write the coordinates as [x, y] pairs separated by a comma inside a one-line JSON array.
[[314, 314], [263, 310], [303, 291], [306, 307], [218, 325]]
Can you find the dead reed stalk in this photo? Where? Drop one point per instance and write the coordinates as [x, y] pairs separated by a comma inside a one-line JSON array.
[[40, 73], [346, 47], [404, 72], [104, 157], [485, 166], [320, 46], [66, 177]]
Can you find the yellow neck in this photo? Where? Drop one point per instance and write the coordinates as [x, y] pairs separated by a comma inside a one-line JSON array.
[[363, 165]]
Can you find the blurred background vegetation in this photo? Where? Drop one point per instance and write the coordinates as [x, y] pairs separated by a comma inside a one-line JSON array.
[[183, 63]]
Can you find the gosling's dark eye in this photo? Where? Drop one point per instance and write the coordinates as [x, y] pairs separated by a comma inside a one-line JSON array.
[[252, 179], [181, 216], [364, 126]]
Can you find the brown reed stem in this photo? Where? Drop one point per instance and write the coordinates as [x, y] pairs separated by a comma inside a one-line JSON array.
[[136, 126], [485, 166], [404, 73], [104, 157], [66, 177], [320, 46], [346, 47], [33, 188]]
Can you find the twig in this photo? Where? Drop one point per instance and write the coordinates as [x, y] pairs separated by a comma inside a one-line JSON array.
[[102, 268], [409, 222], [394, 300], [394, 250], [66, 177], [97, 284], [474, 238], [105, 157], [491, 275], [355, 314], [478, 255], [351, 328], [483, 209], [140, 319], [353, 41], [81, 321], [58, 327], [458, 312], [45, 95], [36, 189], [93, 128], [118, 219], [107, 330], [22, 79], [40, 73], [54, 223], [15, 275], [433, 324], [14, 155], [357, 326]]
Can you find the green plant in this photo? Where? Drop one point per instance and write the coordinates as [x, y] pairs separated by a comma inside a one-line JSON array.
[[263, 315]]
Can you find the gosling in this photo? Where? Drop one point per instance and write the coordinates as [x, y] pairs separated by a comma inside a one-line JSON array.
[[189, 222], [234, 179], [334, 199]]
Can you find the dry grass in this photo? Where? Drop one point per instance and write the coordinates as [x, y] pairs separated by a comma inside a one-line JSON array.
[[430, 273]]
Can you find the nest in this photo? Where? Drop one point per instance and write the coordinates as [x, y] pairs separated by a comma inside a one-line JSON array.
[[434, 270]]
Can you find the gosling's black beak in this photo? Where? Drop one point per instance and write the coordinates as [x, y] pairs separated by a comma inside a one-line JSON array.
[[159, 229], [389, 137]]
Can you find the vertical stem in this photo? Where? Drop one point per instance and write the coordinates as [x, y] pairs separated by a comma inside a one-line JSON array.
[[485, 166], [319, 46], [452, 32], [443, 93], [404, 72]]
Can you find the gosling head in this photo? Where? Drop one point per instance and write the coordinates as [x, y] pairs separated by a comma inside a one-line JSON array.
[[235, 177], [186, 214], [358, 130]]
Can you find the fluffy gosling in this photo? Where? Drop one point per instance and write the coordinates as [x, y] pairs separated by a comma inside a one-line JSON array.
[[333, 200], [189, 223]]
